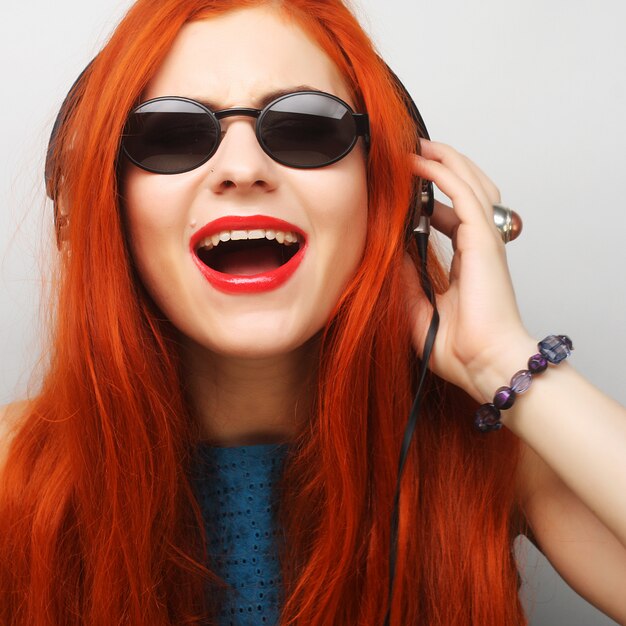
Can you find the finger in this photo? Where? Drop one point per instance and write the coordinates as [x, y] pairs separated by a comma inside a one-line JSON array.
[[466, 205], [458, 163], [444, 219], [492, 191]]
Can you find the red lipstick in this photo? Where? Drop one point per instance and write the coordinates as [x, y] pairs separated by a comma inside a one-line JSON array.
[[254, 283]]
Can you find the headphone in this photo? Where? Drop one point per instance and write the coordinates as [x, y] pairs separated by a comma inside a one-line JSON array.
[[418, 228]]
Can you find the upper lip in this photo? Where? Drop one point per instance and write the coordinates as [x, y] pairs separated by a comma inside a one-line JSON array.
[[244, 222]]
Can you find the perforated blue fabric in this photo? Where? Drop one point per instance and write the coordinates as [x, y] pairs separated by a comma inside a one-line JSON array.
[[236, 490]]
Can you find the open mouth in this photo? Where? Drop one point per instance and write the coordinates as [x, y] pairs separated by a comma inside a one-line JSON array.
[[248, 252]]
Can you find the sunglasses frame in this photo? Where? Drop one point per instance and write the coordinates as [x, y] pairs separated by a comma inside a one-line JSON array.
[[361, 121]]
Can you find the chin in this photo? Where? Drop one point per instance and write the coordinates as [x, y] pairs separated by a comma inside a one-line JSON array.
[[255, 344]]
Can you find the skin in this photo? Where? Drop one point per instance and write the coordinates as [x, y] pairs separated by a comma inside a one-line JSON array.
[[249, 356]]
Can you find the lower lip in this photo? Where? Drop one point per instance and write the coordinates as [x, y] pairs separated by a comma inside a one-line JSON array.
[[255, 283]]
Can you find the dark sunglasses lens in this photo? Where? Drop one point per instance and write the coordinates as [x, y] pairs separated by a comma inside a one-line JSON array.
[[308, 130], [170, 136]]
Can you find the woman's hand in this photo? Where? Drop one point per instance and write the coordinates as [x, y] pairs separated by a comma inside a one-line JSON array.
[[480, 320]]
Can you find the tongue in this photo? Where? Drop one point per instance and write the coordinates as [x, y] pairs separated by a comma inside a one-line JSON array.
[[249, 262]]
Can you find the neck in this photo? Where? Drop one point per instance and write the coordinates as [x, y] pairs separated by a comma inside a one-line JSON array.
[[241, 401]]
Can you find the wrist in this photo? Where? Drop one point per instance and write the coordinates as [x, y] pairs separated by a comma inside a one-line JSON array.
[[552, 349], [498, 365]]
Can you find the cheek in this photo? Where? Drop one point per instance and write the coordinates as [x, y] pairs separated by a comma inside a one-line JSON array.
[[342, 212], [338, 201], [154, 216]]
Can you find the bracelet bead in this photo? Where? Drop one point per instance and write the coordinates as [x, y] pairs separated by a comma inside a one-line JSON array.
[[553, 349], [537, 364], [521, 381], [504, 398], [488, 418]]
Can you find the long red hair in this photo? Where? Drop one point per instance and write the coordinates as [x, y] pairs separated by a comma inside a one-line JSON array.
[[98, 521]]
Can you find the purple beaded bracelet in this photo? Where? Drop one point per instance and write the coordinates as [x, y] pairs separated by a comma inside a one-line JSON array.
[[553, 349]]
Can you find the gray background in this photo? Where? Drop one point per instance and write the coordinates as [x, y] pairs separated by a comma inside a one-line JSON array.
[[533, 91]]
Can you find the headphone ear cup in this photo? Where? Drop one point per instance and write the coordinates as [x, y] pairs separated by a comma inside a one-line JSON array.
[[422, 205], [52, 173], [61, 229], [414, 209], [61, 222]]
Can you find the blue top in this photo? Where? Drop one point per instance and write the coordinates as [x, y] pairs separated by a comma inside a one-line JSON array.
[[235, 488]]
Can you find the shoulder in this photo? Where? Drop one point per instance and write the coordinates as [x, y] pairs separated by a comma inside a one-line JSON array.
[[10, 415]]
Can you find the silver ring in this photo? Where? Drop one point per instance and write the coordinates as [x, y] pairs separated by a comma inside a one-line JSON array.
[[507, 221]]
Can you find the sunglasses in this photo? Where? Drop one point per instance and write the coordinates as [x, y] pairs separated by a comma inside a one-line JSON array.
[[304, 129]]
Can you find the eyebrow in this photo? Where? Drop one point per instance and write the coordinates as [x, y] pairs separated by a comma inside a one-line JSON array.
[[264, 99]]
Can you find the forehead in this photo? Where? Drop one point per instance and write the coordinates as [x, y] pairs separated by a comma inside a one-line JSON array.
[[236, 58]]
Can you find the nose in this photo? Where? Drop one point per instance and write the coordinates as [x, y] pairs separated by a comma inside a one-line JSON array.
[[239, 162]]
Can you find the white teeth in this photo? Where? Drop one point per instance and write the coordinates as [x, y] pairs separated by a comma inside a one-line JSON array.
[[287, 238], [207, 242]]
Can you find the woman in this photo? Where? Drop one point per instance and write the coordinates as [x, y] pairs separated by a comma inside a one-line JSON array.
[[158, 348]]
